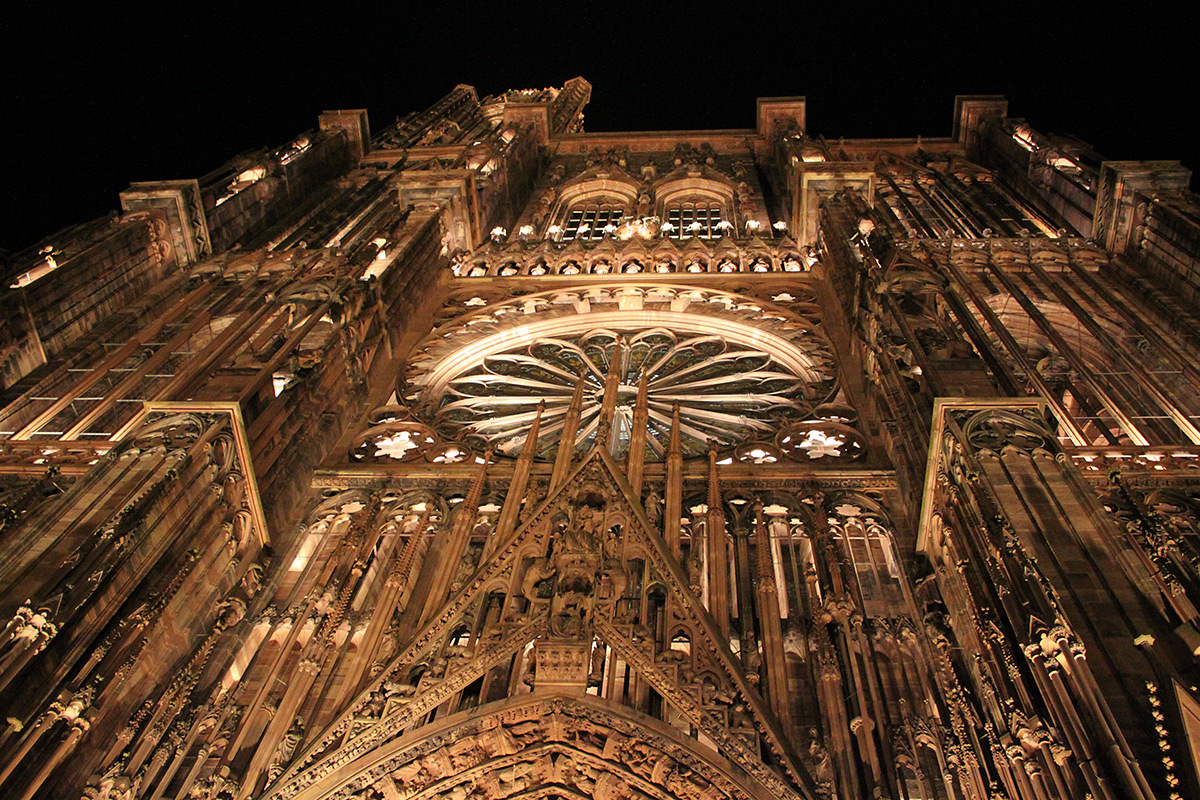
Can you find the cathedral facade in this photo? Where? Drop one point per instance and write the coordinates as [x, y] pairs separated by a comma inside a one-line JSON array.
[[484, 458]]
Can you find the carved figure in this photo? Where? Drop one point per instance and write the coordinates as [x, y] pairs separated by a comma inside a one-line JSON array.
[[287, 746], [375, 704], [401, 692], [654, 508], [545, 203], [252, 582], [643, 204], [538, 571], [582, 534], [466, 566], [497, 740], [818, 758], [571, 611]]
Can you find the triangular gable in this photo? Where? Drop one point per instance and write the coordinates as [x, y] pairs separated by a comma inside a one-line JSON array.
[[1189, 717], [906, 274], [691, 608], [582, 538]]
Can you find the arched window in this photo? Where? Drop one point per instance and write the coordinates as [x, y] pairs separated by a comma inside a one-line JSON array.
[[703, 219], [591, 220], [874, 560], [793, 556]]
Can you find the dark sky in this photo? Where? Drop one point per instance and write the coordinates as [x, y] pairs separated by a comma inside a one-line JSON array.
[[94, 100]]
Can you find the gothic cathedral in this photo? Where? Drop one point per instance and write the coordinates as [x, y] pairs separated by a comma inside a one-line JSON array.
[[484, 458]]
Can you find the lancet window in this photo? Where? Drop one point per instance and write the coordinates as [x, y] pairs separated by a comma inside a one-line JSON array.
[[870, 549], [702, 219], [793, 557], [591, 221]]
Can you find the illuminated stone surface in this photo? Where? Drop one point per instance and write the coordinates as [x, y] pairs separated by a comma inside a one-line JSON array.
[[479, 457]]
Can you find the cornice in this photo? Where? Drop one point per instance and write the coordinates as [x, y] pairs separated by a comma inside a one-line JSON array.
[[745, 476]]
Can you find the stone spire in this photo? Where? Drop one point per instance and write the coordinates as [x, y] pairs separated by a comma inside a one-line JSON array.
[[566, 442], [464, 521], [673, 508], [718, 561], [608, 402], [637, 437], [520, 478]]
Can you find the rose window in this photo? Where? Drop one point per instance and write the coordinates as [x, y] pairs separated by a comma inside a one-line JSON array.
[[727, 390]]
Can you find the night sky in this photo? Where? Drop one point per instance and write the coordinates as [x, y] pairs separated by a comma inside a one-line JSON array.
[[92, 102]]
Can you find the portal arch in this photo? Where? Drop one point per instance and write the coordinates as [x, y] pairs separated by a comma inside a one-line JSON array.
[[543, 746]]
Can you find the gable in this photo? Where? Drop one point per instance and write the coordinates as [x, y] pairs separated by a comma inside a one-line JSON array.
[[576, 607]]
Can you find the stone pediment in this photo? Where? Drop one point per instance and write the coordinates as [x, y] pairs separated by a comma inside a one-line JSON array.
[[570, 562]]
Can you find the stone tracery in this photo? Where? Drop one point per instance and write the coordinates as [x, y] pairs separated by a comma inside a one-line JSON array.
[[739, 369]]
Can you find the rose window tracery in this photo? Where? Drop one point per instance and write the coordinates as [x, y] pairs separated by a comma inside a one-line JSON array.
[[740, 369], [727, 391]]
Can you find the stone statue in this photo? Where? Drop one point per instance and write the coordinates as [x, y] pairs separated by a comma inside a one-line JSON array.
[[818, 758], [538, 571], [375, 704], [287, 747], [582, 535], [466, 566], [643, 204], [572, 609], [654, 508]]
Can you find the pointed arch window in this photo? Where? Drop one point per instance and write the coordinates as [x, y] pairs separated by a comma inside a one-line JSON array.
[[793, 557], [702, 219], [591, 221], [870, 548]]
